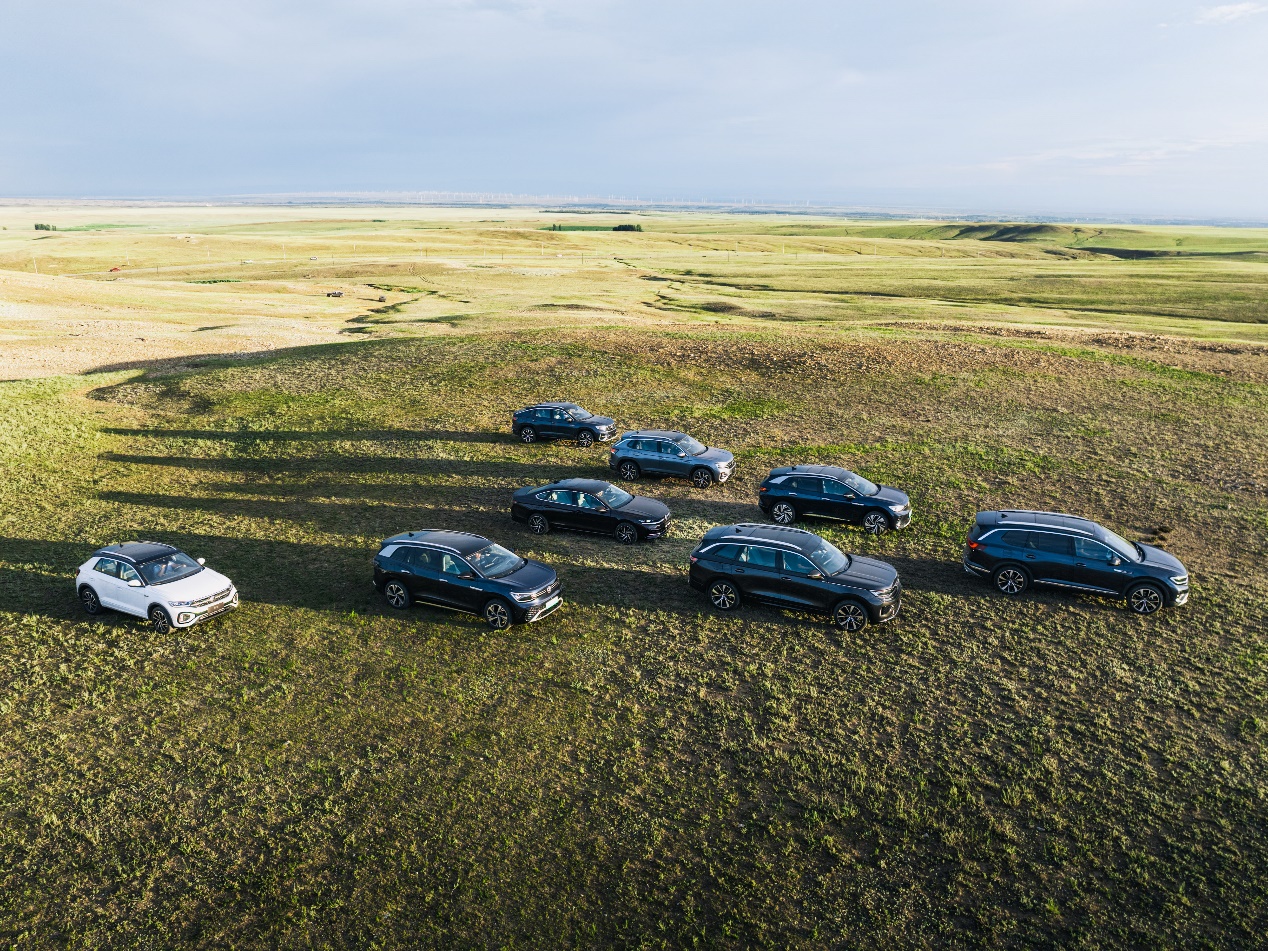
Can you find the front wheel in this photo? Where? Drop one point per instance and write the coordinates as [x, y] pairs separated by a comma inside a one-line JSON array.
[[396, 595], [626, 533], [1144, 599], [538, 524], [88, 598], [850, 616], [585, 439], [161, 623], [724, 596], [876, 523], [701, 478], [783, 513], [528, 434], [498, 614], [628, 471], [1010, 580]]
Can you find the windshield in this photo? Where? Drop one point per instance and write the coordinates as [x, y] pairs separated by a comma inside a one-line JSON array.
[[859, 484], [579, 413], [614, 497], [690, 446], [1122, 547], [495, 561], [171, 567], [829, 559]]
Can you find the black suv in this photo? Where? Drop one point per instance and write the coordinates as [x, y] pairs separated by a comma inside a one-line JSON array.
[[664, 452], [589, 505], [789, 493], [1017, 549], [562, 421], [464, 572], [794, 569]]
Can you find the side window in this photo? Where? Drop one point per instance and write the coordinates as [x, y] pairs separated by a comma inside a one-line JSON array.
[[726, 553], [835, 489], [588, 501], [563, 497], [1092, 551], [542, 414], [107, 566], [760, 557], [1050, 543], [797, 564], [634, 445], [1016, 539], [806, 484], [561, 417], [452, 565], [671, 449], [127, 573]]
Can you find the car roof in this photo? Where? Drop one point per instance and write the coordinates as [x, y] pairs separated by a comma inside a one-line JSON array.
[[1029, 519], [460, 543], [793, 539], [656, 433], [555, 404], [585, 485], [135, 552], [835, 472]]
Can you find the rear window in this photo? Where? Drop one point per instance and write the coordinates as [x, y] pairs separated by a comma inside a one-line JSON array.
[[975, 531]]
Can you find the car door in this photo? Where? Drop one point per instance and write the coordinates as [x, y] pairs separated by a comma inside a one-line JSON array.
[[1050, 556], [460, 585], [559, 425], [757, 573], [1098, 567], [797, 585], [840, 501], [134, 597], [806, 494], [419, 568], [105, 581], [561, 508], [674, 461], [593, 515]]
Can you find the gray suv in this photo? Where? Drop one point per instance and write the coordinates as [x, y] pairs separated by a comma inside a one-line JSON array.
[[666, 453]]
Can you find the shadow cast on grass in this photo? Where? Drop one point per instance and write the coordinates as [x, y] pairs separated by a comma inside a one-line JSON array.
[[251, 438]]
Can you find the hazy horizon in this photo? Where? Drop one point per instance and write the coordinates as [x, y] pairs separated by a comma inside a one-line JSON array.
[[1131, 110]]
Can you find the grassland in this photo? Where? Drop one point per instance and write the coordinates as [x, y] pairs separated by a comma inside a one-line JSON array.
[[637, 771]]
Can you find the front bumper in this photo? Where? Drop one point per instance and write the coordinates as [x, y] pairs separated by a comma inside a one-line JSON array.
[[535, 611], [886, 612], [654, 531], [188, 617], [607, 437], [722, 474], [901, 519]]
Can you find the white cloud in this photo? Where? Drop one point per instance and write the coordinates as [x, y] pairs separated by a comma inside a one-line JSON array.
[[1228, 12]]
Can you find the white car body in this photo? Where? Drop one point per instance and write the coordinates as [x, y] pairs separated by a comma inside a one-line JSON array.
[[188, 600]]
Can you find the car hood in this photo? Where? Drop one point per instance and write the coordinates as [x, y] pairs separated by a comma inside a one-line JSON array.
[[891, 496], [1157, 558], [640, 507], [194, 588], [599, 422], [714, 455], [529, 577], [867, 573]]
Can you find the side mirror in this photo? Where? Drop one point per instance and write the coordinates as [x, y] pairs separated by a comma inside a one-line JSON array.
[[202, 561], [467, 575], [136, 583], [1115, 562]]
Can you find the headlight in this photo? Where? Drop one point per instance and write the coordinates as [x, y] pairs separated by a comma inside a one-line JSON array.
[[180, 604], [1180, 579], [524, 595]]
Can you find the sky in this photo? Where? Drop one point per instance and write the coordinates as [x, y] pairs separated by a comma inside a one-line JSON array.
[[1082, 107]]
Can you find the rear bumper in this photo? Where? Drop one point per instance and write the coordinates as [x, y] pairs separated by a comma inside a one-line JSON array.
[[976, 570]]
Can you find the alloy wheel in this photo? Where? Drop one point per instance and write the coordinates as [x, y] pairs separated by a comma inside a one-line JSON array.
[[876, 523], [850, 616], [626, 533], [538, 524], [629, 471], [528, 434], [88, 598], [497, 615], [1010, 581], [1145, 600], [158, 617], [396, 595], [585, 440], [724, 596], [702, 478], [783, 513]]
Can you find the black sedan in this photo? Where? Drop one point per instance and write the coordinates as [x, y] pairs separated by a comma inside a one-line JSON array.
[[588, 505]]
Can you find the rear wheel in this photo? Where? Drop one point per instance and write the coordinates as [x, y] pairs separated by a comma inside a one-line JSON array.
[[498, 614], [701, 478], [784, 513], [724, 596], [626, 533], [585, 439], [160, 621], [396, 595], [1144, 599], [538, 524], [628, 470], [850, 616], [88, 598], [1010, 580], [528, 434], [876, 522]]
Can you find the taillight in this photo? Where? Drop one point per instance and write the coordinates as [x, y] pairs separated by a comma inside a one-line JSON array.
[[974, 546], [693, 559], [762, 489]]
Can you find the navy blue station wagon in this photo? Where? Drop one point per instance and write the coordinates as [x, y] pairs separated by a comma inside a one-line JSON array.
[[464, 572], [789, 493], [1016, 549]]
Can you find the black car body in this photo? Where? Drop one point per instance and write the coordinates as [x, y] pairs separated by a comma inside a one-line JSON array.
[[788, 493], [669, 453], [1019, 548], [588, 505], [794, 569], [562, 421], [464, 572]]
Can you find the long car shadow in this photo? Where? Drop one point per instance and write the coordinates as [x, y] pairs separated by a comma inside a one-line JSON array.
[[249, 438]]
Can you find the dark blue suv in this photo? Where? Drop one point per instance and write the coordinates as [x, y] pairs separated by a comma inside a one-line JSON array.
[[1016, 549], [789, 493], [464, 572], [562, 421], [668, 453]]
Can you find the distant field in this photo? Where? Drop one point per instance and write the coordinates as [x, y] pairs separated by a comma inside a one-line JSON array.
[[637, 770]]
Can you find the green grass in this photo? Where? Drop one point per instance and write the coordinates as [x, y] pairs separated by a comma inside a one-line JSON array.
[[316, 770]]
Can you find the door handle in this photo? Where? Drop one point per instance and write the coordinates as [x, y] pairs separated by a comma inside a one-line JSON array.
[[784, 578], [739, 571], [1031, 557], [406, 571], [1079, 564]]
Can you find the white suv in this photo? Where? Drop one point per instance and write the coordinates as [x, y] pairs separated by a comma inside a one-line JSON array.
[[154, 581]]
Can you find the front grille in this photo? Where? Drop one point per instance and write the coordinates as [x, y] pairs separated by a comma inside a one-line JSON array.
[[888, 594], [536, 614], [212, 599]]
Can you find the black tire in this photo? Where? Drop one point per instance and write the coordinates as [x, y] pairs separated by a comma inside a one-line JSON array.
[[1145, 599], [528, 434], [586, 438], [538, 524], [1011, 580], [626, 533], [701, 477], [628, 470], [783, 513], [877, 522], [850, 616], [497, 614], [159, 620], [89, 601], [397, 595], [724, 595]]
